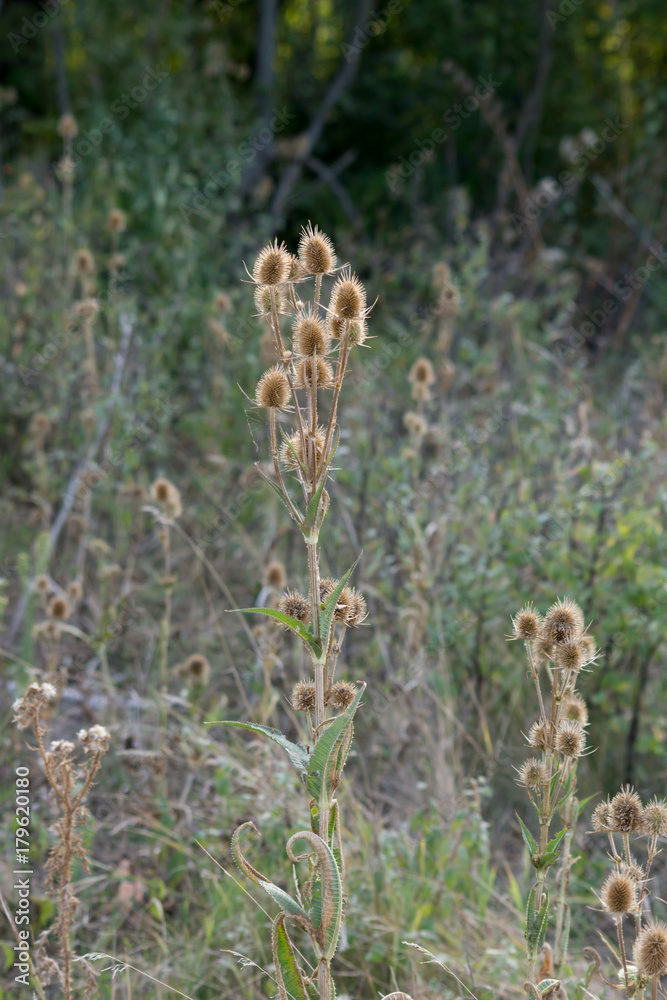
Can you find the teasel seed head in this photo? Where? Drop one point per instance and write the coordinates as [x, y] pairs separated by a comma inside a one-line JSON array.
[[574, 707], [563, 622], [86, 308], [570, 739], [58, 608], [303, 373], [42, 584], [601, 817], [449, 300], [273, 265], [569, 655], [167, 496], [357, 329], [84, 261], [654, 818], [422, 371], [415, 424], [533, 773], [327, 586], [625, 812], [634, 871], [223, 302], [310, 335], [348, 297], [296, 270], [291, 449], [341, 695], [527, 623], [67, 127], [619, 894], [538, 735], [117, 220], [262, 298], [274, 575], [303, 696], [344, 604], [358, 610], [273, 391], [651, 949], [197, 668], [74, 591], [316, 251], [295, 605]]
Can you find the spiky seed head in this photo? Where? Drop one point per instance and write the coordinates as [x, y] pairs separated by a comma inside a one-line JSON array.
[[67, 127], [589, 647], [197, 668], [117, 220], [86, 308], [358, 610], [574, 707], [527, 623], [84, 261], [344, 604], [533, 773], [262, 297], [74, 591], [449, 300], [310, 335], [316, 251], [422, 371], [167, 496], [273, 265], [42, 584], [625, 812], [35, 698], [569, 655], [634, 871], [654, 818], [542, 650], [40, 425], [295, 605], [570, 739], [357, 329], [291, 450], [619, 894], [58, 608], [296, 271], [94, 740], [651, 949], [303, 373], [415, 424], [327, 587], [538, 735], [274, 575], [303, 696], [341, 695], [563, 622], [348, 297], [273, 391], [601, 817]]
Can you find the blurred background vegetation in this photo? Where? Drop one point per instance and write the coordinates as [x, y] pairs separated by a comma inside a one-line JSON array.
[[521, 145]]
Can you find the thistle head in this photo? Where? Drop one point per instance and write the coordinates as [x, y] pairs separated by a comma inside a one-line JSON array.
[[273, 265], [533, 773], [527, 623], [341, 695], [316, 251], [651, 949], [303, 696], [570, 739], [654, 818], [295, 605], [58, 608], [619, 894], [197, 668], [310, 335], [273, 390], [313, 368], [626, 812], [167, 496], [348, 297], [563, 622]]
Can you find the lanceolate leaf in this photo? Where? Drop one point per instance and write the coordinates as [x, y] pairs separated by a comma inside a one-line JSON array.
[[291, 984], [324, 756], [530, 841], [296, 752], [332, 601], [284, 900], [327, 911], [292, 623]]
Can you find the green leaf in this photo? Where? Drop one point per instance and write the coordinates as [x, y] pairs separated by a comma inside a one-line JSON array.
[[536, 923], [311, 512], [530, 841], [289, 905], [292, 623], [279, 493], [326, 750], [290, 979], [327, 908], [331, 602], [296, 752], [555, 841]]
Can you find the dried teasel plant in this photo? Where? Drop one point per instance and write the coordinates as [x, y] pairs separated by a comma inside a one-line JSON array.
[[70, 782], [300, 395]]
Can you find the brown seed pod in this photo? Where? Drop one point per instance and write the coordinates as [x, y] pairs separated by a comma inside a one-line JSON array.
[[42, 583], [295, 605], [570, 739], [310, 335], [654, 818], [570, 655], [117, 220], [273, 391], [533, 773], [291, 450], [341, 695], [327, 587], [344, 605], [651, 950], [84, 261], [357, 329], [348, 297], [273, 265], [538, 735], [527, 623], [67, 127], [303, 696], [274, 575], [316, 251], [601, 817], [58, 608], [358, 610], [619, 894], [303, 373], [563, 622], [262, 297], [74, 591], [422, 371], [167, 496], [197, 668], [574, 707], [626, 812]]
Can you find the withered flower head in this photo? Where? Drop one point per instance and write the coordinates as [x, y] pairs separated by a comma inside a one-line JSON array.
[[357, 329], [42, 583], [25, 709], [316, 251], [563, 622], [291, 450], [86, 308], [348, 297], [533, 773], [651, 950], [570, 739], [538, 735], [168, 497], [303, 373], [295, 605], [274, 575], [625, 812], [619, 894], [273, 391], [310, 335], [341, 695], [84, 261], [262, 297], [94, 740], [58, 608], [570, 655], [634, 871], [601, 817], [358, 610], [303, 696], [273, 265], [422, 371], [527, 623], [344, 604], [574, 707], [222, 302], [67, 127], [117, 220], [74, 591], [327, 586], [654, 818], [197, 668]]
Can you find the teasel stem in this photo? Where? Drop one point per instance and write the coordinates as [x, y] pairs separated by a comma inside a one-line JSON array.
[[285, 362], [340, 374], [626, 847], [651, 856], [276, 465], [318, 291], [563, 886], [621, 947], [324, 979], [535, 674], [654, 986]]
